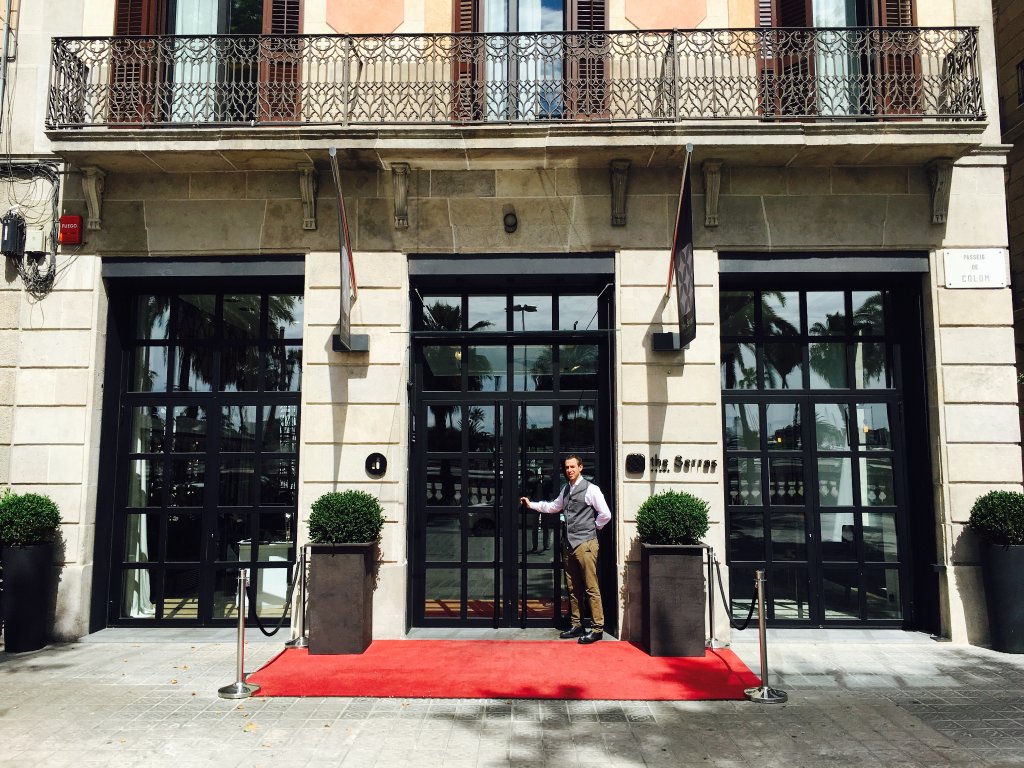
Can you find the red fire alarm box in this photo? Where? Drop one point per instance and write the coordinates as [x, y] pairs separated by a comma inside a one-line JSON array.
[[70, 230]]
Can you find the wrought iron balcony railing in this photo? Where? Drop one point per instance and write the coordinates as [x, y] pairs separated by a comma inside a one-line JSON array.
[[754, 74]]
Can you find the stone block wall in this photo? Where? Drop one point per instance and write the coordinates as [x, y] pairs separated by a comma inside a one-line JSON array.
[[668, 404], [1009, 32], [10, 309], [975, 415], [356, 404], [51, 360]]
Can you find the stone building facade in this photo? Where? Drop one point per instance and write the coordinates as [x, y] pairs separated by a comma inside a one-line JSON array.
[[1009, 29], [177, 390]]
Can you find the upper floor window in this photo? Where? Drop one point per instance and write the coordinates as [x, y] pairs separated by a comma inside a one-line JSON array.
[[543, 77], [261, 78], [846, 70], [208, 17], [835, 13], [523, 16], [530, 15]]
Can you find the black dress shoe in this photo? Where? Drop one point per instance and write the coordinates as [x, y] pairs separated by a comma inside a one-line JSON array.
[[590, 637], [572, 632]]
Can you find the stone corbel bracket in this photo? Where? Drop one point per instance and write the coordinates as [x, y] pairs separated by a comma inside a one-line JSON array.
[[940, 174], [712, 170], [92, 185], [308, 183], [400, 185], [619, 181]]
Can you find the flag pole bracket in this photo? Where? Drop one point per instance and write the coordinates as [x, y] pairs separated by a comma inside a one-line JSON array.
[[665, 342], [358, 342]]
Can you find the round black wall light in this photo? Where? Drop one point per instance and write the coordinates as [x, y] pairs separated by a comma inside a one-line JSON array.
[[376, 465]]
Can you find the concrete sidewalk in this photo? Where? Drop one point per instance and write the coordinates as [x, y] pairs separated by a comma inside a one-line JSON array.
[[855, 699]]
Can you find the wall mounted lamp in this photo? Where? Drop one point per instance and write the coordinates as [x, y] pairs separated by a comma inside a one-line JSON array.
[[509, 219]]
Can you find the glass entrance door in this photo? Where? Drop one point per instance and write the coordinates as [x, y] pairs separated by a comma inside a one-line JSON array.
[[462, 497], [494, 413], [483, 558]]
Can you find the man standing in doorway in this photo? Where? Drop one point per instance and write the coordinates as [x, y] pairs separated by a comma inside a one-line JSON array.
[[585, 513]]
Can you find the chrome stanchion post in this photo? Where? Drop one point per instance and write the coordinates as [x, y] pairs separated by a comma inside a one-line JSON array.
[[711, 599], [300, 640], [764, 694], [240, 689]]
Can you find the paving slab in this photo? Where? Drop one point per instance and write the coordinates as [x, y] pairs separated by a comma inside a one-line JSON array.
[[855, 699]]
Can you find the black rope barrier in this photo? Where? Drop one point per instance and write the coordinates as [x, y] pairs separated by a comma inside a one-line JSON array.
[[285, 614], [727, 604]]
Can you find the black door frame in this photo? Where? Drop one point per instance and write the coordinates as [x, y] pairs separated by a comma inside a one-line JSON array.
[[523, 282], [126, 279], [511, 569], [909, 408]]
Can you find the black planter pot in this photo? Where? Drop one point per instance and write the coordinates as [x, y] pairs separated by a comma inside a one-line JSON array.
[[28, 586], [340, 612], [673, 610], [1003, 571]]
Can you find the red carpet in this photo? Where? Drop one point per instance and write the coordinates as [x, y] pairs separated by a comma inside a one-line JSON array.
[[504, 669]]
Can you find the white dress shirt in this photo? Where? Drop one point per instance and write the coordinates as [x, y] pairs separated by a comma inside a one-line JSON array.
[[593, 497]]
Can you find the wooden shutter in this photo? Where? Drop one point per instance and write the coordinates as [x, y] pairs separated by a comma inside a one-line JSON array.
[[282, 17], [134, 17], [467, 100], [787, 58], [767, 93], [792, 13], [895, 13], [586, 92], [280, 61], [133, 70], [589, 15], [897, 62]]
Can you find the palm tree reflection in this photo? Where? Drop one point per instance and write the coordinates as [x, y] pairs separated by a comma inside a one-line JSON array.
[[443, 372], [195, 323], [739, 359]]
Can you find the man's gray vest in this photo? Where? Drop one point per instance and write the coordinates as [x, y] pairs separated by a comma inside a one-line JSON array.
[[580, 518]]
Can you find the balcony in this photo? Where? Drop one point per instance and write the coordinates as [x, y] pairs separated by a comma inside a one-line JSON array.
[[917, 86]]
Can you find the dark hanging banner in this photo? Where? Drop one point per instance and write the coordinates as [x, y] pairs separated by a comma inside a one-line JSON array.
[[344, 341], [682, 260]]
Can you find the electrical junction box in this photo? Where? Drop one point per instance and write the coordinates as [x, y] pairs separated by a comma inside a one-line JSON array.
[[37, 240], [70, 232]]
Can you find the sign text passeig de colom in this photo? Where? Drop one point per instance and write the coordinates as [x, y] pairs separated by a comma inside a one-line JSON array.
[[975, 267]]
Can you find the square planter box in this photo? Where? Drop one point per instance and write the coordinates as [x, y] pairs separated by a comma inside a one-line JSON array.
[[341, 583], [673, 611], [1002, 569]]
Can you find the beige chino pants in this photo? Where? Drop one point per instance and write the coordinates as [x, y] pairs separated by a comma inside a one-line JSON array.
[[581, 578]]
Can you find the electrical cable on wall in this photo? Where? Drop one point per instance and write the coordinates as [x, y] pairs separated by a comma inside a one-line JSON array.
[[31, 205], [37, 282]]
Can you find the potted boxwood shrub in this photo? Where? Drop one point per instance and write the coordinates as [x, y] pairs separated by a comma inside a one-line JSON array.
[[344, 528], [28, 524], [670, 526], [998, 520]]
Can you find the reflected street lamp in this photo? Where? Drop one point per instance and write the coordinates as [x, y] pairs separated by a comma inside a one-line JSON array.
[[522, 309]]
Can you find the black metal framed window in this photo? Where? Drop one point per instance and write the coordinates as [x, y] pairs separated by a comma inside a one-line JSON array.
[[207, 453], [814, 452]]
